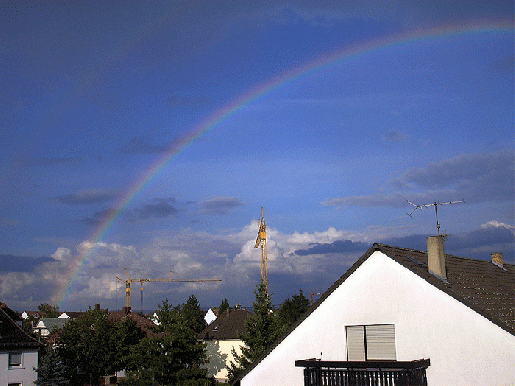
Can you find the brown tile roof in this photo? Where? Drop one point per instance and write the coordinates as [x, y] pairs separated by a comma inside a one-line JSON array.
[[227, 326], [479, 284], [12, 314], [144, 324], [72, 314], [11, 334]]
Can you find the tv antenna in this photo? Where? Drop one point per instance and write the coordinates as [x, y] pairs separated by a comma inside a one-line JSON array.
[[435, 204]]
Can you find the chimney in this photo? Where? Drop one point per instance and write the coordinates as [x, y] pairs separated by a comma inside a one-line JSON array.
[[497, 259], [436, 256], [97, 306]]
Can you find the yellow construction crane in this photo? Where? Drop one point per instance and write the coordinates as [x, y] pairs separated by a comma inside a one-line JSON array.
[[261, 242], [129, 280]]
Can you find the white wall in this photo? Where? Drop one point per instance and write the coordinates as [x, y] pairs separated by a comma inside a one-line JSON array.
[[24, 374], [220, 355], [464, 348]]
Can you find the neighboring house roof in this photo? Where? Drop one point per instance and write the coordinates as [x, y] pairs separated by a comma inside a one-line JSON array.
[[481, 285], [72, 314], [12, 335], [227, 326], [12, 314], [51, 323], [143, 323], [31, 314]]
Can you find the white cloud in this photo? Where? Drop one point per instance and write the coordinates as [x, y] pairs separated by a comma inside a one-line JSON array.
[[229, 256], [497, 224], [62, 254]]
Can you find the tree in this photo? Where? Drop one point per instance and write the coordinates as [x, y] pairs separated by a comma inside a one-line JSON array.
[[48, 311], [223, 307], [292, 309], [174, 355], [262, 329], [52, 370], [193, 315], [95, 346]]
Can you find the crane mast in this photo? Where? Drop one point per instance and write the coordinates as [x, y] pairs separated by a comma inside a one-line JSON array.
[[129, 280], [261, 242]]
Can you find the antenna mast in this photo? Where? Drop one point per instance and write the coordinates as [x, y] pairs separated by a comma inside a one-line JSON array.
[[435, 204], [261, 242]]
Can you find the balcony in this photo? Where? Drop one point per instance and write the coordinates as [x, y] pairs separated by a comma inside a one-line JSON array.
[[369, 373]]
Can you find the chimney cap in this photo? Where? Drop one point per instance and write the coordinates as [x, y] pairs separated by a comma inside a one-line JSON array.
[[497, 259]]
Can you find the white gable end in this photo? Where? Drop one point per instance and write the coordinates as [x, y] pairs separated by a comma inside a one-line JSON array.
[[464, 347]]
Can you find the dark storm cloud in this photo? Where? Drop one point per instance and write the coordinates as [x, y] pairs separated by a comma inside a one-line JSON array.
[[477, 178], [394, 136], [476, 244], [470, 171], [12, 263], [220, 205], [397, 200], [338, 246], [482, 237], [159, 208], [33, 162], [98, 217], [87, 197]]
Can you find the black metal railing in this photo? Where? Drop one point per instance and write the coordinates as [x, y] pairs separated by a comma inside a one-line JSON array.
[[369, 373]]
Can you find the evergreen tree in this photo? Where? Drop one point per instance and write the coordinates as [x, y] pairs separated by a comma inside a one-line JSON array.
[[262, 329], [174, 355], [223, 307], [52, 370], [193, 314], [292, 309]]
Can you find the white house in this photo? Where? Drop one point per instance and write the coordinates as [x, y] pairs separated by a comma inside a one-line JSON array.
[[221, 337], [18, 352], [402, 305]]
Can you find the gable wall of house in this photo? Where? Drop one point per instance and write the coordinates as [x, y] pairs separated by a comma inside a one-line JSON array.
[[23, 374], [464, 347], [220, 355]]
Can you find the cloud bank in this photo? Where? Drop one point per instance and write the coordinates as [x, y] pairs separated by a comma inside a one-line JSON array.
[[311, 261], [477, 178]]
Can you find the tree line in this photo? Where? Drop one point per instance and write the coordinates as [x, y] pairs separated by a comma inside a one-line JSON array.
[[93, 345]]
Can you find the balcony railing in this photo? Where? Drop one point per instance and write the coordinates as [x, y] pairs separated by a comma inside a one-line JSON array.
[[369, 373]]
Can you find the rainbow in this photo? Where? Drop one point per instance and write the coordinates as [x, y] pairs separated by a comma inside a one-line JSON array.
[[243, 101]]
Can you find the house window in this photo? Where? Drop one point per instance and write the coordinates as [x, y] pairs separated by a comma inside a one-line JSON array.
[[14, 384], [15, 359], [371, 343]]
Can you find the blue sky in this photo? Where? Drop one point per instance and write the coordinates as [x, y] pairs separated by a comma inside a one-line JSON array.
[[94, 94]]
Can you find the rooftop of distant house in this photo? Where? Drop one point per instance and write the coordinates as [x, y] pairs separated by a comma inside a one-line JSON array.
[[227, 326]]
